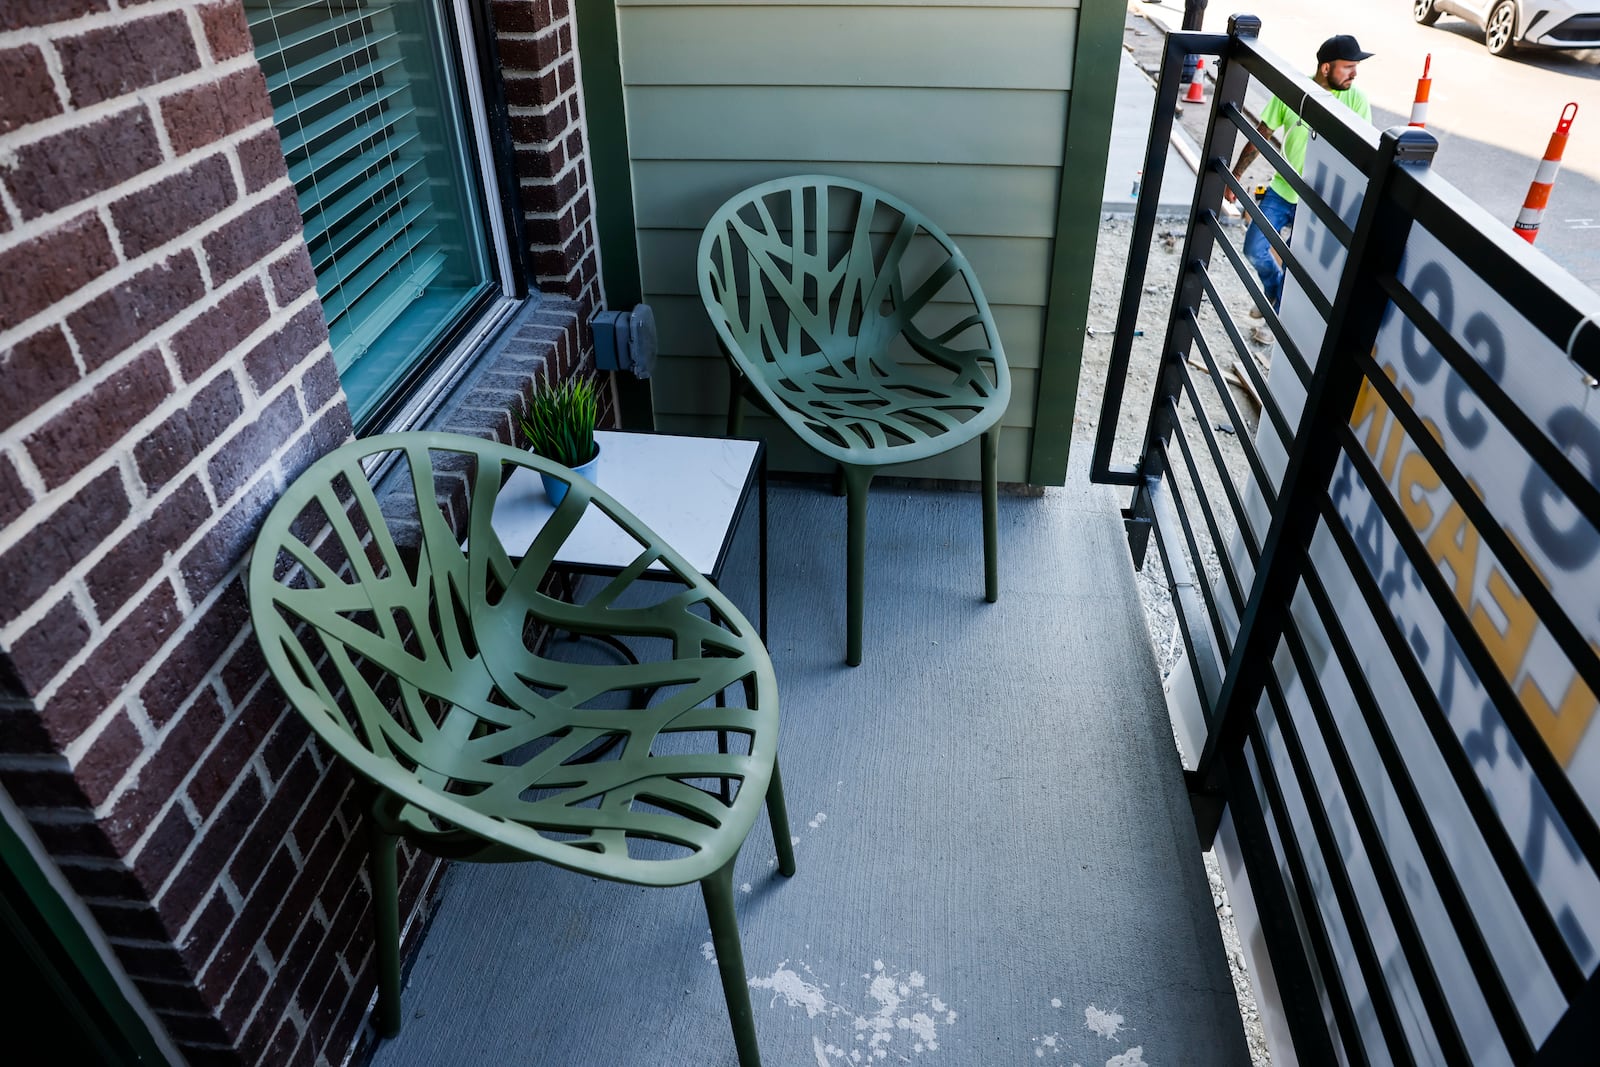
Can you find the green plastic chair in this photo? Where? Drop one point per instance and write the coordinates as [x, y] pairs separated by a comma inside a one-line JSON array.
[[425, 670], [859, 323]]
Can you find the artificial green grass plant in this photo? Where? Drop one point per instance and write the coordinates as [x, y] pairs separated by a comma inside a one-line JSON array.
[[559, 422]]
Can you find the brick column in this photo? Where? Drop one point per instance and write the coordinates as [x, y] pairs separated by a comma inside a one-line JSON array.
[[536, 41], [166, 371]]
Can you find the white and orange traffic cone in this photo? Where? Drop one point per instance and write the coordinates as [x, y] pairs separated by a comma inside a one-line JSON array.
[[1419, 106], [1532, 213], [1197, 91]]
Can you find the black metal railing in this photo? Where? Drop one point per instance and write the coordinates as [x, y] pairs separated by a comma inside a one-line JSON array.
[[1389, 591]]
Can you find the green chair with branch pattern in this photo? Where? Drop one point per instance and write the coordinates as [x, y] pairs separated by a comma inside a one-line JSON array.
[[428, 669], [857, 322]]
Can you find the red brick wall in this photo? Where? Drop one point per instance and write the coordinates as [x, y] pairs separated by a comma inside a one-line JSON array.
[[166, 372], [536, 45]]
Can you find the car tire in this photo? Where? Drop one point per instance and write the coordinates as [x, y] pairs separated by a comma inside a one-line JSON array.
[[1423, 13], [1500, 28]]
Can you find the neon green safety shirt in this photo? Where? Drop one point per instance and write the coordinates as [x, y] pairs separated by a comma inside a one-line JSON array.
[[1276, 115]]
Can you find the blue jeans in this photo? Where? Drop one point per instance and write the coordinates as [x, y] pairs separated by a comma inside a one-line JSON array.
[[1258, 251]]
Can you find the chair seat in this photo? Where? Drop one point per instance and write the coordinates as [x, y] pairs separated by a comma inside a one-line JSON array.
[[893, 417]]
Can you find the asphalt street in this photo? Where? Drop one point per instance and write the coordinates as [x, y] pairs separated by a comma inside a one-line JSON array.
[[1493, 117]]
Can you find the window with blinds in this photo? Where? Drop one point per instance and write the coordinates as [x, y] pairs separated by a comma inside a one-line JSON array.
[[366, 99]]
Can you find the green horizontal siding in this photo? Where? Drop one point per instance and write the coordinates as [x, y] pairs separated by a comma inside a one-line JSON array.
[[680, 388], [958, 108], [940, 46], [841, 124], [1011, 270], [992, 201], [686, 331], [786, 453]]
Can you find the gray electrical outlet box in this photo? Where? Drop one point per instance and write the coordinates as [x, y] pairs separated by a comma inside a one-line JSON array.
[[610, 343], [625, 340]]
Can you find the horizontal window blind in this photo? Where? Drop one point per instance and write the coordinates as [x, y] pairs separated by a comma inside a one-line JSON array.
[[362, 99]]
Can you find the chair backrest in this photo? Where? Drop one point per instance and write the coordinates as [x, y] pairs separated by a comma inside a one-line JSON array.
[[408, 637], [818, 278]]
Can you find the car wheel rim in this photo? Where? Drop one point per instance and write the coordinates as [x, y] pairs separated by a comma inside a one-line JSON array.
[[1499, 28], [1421, 8]]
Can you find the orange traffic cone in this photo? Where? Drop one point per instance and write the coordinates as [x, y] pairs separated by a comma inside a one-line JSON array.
[[1419, 107], [1532, 213], [1197, 91]]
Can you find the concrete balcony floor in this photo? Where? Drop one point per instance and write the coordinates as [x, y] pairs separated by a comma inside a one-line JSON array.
[[997, 861]]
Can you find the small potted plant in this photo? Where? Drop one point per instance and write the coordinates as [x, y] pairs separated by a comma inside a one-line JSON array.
[[559, 423]]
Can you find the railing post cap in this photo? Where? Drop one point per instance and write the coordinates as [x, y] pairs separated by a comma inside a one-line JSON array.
[[1244, 26], [1412, 145]]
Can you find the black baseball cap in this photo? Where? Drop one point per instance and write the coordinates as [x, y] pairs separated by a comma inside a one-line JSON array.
[[1343, 46]]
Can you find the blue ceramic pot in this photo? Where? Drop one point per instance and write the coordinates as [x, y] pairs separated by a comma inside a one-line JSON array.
[[556, 490]]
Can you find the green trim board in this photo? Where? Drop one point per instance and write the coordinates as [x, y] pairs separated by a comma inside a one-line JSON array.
[[600, 55], [1092, 101], [611, 174]]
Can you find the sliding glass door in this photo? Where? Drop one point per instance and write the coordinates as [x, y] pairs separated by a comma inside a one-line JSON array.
[[368, 101]]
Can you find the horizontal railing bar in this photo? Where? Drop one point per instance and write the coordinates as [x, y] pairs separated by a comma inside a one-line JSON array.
[[1535, 911], [1235, 591], [1247, 276], [1258, 470], [1507, 554], [1269, 403], [1552, 777], [1235, 505], [1214, 617], [1203, 659], [1567, 477], [1372, 976], [1286, 170]]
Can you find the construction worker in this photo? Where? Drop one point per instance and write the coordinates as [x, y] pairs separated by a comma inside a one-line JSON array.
[[1337, 60]]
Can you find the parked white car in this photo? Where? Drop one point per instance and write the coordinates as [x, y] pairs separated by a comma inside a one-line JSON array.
[[1508, 23]]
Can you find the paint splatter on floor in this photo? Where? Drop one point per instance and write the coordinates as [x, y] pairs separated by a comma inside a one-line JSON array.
[[1105, 1023], [709, 951], [895, 1018], [817, 820]]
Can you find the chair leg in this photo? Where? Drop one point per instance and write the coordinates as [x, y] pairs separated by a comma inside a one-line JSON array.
[[386, 922], [991, 515], [778, 816], [857, 479], [838, 479], [718, 892]]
